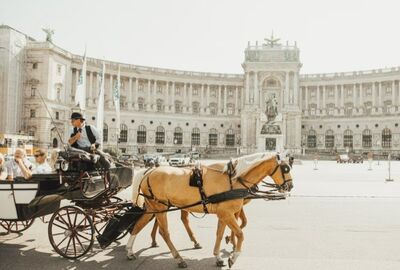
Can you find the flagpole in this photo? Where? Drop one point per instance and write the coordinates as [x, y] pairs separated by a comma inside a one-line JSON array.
[[100, 105]]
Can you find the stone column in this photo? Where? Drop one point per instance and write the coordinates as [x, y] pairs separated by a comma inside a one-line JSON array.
[[173, 98], [361, 96], [380, 94], [136, 93], [184, 98], [110, 95], [208, 99], [148, 99], [236, 100], [202, 99], [130, 90], [324, 97], [354, 96], [296, 91], [219, 107], [225, 97], [166, 96], [287, 89], [306, 98], [337, 104], [154, 96], [341, 96], [247, 90], [373, 95], [89, 97], [318, 99], [190, 97], [393, 94], [256, 94]]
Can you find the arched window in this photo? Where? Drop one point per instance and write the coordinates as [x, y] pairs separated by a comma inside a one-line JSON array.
[[105, 132], [348, 138], [160, 135], [178, 135], [312, 139], [366, 138], [230, 138], [196, 136], [329, 139], [160, 105], [386, 138], [178, 106], [141, 134], [213, 137], [196, 107], [123, 134]]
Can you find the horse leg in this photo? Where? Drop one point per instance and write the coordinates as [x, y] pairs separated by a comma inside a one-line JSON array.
[[243, 224], [185, 221], [231, 222], [220, 234], [163, 227], [142, 222], [153, 234]]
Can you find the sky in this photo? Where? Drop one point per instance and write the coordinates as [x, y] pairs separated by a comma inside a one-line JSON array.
[[211, 35]]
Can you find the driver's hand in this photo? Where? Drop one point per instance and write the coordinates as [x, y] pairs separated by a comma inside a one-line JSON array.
[[93, 147]]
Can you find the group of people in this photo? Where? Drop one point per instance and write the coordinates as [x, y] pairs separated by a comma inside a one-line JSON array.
[[82, 136], [20, 166]]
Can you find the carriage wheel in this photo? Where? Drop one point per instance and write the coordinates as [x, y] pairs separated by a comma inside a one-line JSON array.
[[71, 232], [16, 226], [100, 221]]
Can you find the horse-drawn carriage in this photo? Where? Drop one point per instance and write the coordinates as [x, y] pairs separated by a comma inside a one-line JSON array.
[[90, 186]]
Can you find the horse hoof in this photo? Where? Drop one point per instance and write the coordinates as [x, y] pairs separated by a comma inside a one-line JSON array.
[[220, 263], [131, 256], [230, 262], [154, 245], [227, 239], [182, 264], [197, 246]]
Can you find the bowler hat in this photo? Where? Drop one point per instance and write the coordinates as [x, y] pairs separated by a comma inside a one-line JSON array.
[[77, 115]]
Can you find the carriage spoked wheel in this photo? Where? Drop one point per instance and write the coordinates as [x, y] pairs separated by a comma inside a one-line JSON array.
[[71, 232], [16, 226], [100, 220]]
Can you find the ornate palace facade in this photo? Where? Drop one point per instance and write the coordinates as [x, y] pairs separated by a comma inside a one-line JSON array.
[[271, 106]]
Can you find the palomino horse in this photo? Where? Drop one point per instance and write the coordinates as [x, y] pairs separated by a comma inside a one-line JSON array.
[[167, 186]]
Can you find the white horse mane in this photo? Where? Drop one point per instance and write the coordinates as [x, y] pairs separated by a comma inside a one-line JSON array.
[[245, 163], [136, 181]]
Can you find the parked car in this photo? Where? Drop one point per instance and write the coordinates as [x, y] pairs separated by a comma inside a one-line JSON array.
[[179, 160], [149, 159], [343, 159], [356, 159], [194, 155]]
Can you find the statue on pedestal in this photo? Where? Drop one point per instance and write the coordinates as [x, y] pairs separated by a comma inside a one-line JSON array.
[[49, 34]]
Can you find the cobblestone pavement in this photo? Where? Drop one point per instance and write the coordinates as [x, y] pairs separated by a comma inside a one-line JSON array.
[[341, 216]]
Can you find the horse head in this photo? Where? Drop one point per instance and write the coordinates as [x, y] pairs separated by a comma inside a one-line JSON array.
[[273, 166]]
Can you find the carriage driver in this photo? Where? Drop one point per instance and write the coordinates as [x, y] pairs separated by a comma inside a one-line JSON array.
[[85, 137]]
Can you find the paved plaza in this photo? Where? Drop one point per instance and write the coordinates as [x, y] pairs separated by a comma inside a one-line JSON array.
[[341, 216]]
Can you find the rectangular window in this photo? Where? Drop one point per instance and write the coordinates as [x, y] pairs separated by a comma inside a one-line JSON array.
[[57, 115], [329, 141], [213, 139], [33, 113], [141, 137], [367, 141], [195, 138], [33, 91], [195, 92], [35, 65], [230, 140], [311, 141], [177, 137], [230, 93]]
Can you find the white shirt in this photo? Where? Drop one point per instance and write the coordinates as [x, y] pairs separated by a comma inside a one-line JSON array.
[[42, 169], [13, 167], [84, 140]]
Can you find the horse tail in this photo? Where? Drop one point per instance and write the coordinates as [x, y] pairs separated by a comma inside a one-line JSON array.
[[136, 181]]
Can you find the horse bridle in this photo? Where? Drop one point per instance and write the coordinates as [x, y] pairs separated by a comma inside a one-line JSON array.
[[284, 170]]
